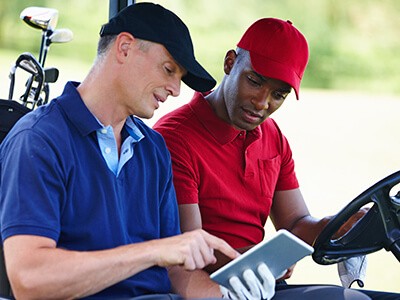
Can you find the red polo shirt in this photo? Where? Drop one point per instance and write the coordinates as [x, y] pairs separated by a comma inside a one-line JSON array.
[[231, 174]]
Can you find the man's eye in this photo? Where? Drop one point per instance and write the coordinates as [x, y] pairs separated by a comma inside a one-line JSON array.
[[253, 81], [280, 95], [168, 70]]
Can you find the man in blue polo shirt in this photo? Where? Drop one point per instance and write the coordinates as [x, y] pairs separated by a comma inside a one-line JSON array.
[[87, 203]]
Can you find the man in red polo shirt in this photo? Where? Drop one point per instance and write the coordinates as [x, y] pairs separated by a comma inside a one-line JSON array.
[[232, 166], [231, 162]]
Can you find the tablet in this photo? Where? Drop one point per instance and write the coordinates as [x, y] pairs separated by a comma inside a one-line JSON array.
[[279, 252]]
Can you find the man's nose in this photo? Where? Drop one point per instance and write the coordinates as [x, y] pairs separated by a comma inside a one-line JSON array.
[[174, 88], [261, 103]]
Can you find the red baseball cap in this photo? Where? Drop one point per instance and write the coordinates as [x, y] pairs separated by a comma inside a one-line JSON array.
[[277, 50]]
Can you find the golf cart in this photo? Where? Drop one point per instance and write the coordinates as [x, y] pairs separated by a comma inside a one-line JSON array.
[[378, 229]]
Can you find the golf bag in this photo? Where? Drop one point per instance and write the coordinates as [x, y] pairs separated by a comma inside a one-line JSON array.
[[10, 112]]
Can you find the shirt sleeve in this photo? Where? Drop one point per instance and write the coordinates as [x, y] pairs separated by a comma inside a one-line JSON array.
[[30, 182]]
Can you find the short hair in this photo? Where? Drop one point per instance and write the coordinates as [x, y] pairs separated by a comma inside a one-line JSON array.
[[104, 44], [106, 41], [242, 55]]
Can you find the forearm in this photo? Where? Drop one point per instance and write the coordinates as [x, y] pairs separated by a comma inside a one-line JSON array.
[[39, 270], [308, 228], [193, 284], [289, 211], [95, 271], [67, 274]]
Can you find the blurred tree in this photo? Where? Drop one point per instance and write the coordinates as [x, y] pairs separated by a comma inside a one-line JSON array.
[[10, 21], [353, 44], [82, 17]]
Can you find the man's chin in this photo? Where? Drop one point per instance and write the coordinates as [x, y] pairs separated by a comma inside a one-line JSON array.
[[147, 115], [245, 126]]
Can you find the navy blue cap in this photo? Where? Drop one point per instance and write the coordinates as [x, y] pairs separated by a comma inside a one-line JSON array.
[[152, 22]]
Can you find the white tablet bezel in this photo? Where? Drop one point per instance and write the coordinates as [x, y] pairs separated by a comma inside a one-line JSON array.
[[279, 252]]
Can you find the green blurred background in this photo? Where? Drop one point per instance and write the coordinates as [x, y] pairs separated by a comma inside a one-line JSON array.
[[343, 132], [354, 44]]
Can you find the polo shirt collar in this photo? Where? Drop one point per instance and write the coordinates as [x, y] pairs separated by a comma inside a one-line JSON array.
[[222, 131], [76, 110], [133, 130]]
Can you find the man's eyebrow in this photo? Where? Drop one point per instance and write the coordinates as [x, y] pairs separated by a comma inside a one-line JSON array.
[[262, 78], [285, 89], [180, 67]]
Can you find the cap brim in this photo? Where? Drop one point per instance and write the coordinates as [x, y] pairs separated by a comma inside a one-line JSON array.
[[276, 70], [197, 77]]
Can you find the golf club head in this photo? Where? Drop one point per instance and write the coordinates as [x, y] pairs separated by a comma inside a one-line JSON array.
[[29, 63], [50, 74], [62, 35], [40, 17]]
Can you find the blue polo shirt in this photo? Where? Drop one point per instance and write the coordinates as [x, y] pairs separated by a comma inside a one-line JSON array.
[[56, 183]]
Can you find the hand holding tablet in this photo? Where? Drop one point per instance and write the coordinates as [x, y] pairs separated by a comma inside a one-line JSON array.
[[278, 253]]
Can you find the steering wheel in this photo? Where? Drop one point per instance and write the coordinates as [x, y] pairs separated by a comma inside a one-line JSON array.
[[378, 228]]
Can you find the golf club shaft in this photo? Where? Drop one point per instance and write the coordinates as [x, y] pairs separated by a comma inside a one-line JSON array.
[[42, 44]]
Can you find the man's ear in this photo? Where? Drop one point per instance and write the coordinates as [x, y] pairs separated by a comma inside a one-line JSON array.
[[123, 43], [229, 61]]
